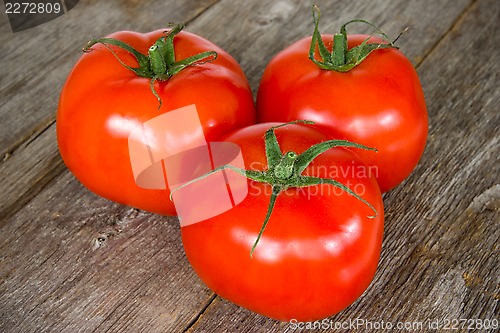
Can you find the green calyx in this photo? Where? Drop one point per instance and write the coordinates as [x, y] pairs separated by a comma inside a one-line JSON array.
[[340, 58], [159, 64], [284, 171]]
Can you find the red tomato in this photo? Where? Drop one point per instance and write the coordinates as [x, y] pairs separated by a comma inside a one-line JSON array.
[[319, 251], [378, 103], [102, 101]]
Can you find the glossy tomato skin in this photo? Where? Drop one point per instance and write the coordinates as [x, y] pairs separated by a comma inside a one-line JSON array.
[[379, 103], [319, 251], [101, 102]]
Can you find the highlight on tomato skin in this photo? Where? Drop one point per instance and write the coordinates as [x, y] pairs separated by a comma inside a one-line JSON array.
[[320, 249], [104, 100], [379, 102]]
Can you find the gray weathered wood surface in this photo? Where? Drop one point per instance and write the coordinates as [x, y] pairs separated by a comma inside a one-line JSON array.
[[73, 262]]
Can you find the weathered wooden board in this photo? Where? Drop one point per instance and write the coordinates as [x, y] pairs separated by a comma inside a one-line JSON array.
[[71, 262]]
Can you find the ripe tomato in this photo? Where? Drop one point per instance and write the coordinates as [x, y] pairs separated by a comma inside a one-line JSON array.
[[319, 251], [378, 103], [103, 101]]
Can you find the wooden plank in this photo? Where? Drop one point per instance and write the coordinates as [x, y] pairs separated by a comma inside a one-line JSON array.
[[71, 261], [24, 175], [35, 62], [449, 252]]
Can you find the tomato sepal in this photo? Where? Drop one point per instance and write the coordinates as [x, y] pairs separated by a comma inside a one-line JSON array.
[[284, 171], [341, 58], [159, 64]]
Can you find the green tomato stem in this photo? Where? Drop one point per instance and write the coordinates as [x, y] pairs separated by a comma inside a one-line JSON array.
[[157, 60], [339, 50], [342, 59]]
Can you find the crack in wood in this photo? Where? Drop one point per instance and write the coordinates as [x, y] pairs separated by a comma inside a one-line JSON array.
[[456, 23], [192, 324]]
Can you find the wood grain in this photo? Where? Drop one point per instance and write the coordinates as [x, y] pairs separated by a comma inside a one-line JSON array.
[[73, 262]]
